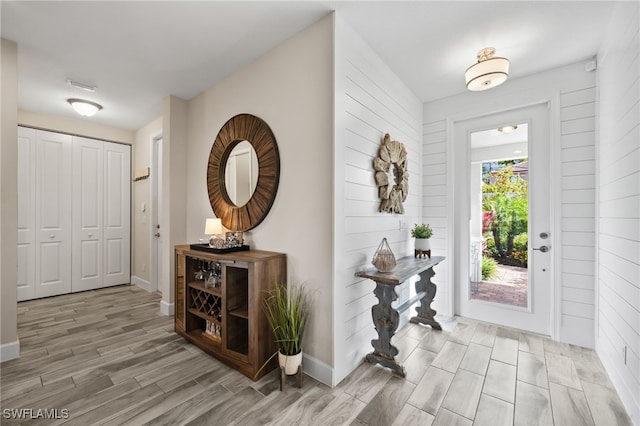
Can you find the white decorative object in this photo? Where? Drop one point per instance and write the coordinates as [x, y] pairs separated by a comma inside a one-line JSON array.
[[423, 244], [290, 363]]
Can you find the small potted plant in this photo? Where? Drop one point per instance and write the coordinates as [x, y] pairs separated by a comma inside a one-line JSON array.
[[287, 311], [422, 233]]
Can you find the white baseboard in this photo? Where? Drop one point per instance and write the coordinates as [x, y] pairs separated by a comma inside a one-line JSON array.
[[317, 369], [9, 351], [627, 396], [166, 308], [139, 282]]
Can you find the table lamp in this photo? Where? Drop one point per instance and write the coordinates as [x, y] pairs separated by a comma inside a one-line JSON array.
[[213, 227]]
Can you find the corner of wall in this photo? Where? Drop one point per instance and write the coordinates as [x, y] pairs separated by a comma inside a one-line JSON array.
[[9, 198]]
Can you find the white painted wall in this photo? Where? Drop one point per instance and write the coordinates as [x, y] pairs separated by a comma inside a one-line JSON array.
[[291, 89], [141, 194], [9, 345], [370, 100], [570, 93], [618, 236], [75, 126], [175, 205]]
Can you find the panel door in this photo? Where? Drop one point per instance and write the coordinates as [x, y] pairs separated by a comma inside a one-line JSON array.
[[117, 214], [88, 210], [26, 213], [53, 214]]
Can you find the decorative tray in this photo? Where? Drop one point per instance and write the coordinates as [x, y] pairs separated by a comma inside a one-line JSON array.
[[205, 247]]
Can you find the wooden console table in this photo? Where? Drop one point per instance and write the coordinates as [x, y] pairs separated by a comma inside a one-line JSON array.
[[386, 318]]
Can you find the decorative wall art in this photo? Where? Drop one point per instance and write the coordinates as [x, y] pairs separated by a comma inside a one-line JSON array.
[[391, 175]]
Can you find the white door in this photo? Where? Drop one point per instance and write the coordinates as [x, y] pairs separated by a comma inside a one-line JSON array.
[[117, 214], [53, 214], [26, 213], [88, 206], [536, 315]]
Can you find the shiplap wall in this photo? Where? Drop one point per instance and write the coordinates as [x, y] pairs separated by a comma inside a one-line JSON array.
[[370, 101], [434, 203], [577, 209], [618, 236], [570, 91]]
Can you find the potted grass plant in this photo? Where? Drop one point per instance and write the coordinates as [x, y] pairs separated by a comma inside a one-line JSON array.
[[422, 233], [287, 311]]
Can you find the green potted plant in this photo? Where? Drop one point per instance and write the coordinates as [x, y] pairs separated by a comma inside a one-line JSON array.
[[422, 233], [287, 311]]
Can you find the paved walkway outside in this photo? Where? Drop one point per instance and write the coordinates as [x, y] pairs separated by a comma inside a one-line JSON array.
[[509, 286]]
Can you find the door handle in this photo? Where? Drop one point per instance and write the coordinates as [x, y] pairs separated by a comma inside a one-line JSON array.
[[543, 249], [157, 234]]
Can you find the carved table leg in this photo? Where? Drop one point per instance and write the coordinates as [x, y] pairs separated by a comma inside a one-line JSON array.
[[425, 313], [385, 319]]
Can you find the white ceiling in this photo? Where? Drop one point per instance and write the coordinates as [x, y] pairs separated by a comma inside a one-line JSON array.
[[139, 52]]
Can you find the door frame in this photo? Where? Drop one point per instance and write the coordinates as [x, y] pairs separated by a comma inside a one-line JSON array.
[[452, 122], [155, 189]]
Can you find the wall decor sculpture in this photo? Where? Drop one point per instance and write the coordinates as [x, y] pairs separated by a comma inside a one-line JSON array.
[[391, 175]]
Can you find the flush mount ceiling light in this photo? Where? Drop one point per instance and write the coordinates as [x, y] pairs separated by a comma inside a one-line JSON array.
[[507, 129], [84, 108], [490, 71]]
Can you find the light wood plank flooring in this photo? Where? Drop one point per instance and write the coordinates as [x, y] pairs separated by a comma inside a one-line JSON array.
[[109, 357]]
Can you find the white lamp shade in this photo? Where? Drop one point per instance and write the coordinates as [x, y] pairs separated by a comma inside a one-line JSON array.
[[213, 226], [487, 74], [84, 108]]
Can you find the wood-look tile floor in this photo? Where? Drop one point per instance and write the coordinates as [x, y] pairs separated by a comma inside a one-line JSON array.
[[109, 357]]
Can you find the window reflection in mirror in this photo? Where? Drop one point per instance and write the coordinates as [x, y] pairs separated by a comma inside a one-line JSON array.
[[241, 173]]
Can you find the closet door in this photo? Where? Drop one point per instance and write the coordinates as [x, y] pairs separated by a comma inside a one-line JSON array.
[[26, 214], [88, 209], [53, 214], [117, 213]]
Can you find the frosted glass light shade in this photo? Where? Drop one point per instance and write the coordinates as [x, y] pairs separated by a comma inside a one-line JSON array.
[[84, 108], [490, 71], [213, 226]]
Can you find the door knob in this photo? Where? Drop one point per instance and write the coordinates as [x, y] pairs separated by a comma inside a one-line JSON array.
[[157, 234], [543, 249], [90, 235], [52, 236]]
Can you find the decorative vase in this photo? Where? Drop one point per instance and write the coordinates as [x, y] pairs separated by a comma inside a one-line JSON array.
[[383, 258], [290, 363], [423, 244]]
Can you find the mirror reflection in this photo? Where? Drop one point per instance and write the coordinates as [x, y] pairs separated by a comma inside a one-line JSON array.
[[241, 173]]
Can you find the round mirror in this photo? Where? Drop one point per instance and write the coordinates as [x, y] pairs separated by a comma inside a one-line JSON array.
[[235, 213], [241, 173]]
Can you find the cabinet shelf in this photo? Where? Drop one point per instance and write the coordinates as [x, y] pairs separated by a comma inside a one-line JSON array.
[[201, 338], [241, 312], [199, 285], [204, 316]]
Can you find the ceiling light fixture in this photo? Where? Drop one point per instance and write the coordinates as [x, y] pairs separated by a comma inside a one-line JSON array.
[[490, 71], [507, 129], [84, 108], [82, 86]]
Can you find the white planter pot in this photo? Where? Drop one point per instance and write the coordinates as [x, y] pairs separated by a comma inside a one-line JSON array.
[[290, 363], [423, 244]]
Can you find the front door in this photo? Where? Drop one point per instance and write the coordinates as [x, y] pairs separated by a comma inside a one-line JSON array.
[[503, 219]]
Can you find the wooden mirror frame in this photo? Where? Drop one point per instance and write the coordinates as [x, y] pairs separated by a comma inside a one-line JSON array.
[[254, 130]]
